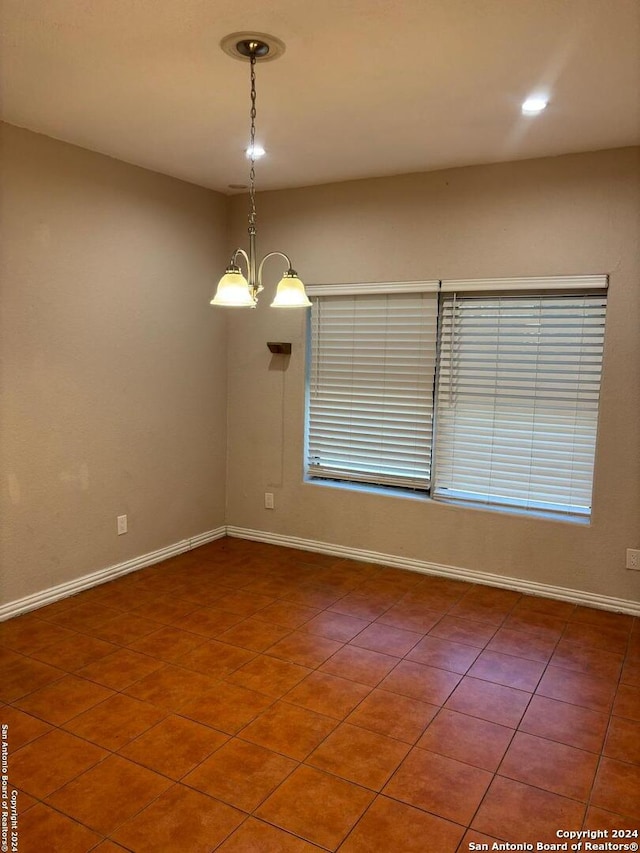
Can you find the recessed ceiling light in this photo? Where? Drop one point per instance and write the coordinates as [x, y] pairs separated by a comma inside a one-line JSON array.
[[534, 105], [258, 151]]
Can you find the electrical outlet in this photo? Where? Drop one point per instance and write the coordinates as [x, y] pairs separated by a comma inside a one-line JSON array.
[[268, 500], [122, 524], [633, 559]]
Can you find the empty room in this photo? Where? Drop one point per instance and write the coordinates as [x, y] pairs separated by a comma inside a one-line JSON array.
[[320, 426]]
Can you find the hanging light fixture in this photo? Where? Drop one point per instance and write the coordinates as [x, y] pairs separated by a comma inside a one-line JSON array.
[[234, 289]]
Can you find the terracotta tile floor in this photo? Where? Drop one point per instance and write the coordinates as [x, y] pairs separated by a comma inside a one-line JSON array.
[[247, 698]]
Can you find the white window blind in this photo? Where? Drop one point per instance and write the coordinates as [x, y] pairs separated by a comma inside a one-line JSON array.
[[517, 398], [371, 377]]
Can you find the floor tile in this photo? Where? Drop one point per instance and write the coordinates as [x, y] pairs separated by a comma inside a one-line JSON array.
[[215, 659], [418, 681], [286, 614], [410, 617], [508, 670], [477, 839], [534, 622], [316, 806], [305, 649], [623, 740], [548, 606], [513, 811], [167, 643], [114, 722], [199, 823], [58, 702], [391, 714], [600, 819], [359, 755], [269, 675], [328, 694], [631, 673], [597, 662], [468, 739], [602, 618], [42, 828], [336, 626], [617, 788], [522, 645], [599, 637], [493, 596], [174, 746], [207, 621], [387, 639], [391, 826], [440, 785], [24, 676], [29, 633], [313, 595], [254, 634], [125, 628], [23, 728], [73, 654], [493, 702], [444, 654], [553, 766], [361, 665], [24, 801], [241, 774], [359, 606], [289, 730], [480, 611], [109, 847], [164, 609], [243, 603], [463, 631], [106, 796], [7, 657], [577, 689], [44, 765], [120, 669], [84, 617], [254, 836], [226, 707], [627, 702], [170, 687], [565, 723]]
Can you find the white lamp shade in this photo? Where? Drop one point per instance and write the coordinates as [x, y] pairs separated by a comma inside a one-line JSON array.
[[233, 291], [290, 293]]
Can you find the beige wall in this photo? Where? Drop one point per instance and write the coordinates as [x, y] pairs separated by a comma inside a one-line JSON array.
[[113, 364], [565, 215]]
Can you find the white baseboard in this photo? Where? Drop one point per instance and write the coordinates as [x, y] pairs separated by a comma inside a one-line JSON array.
[[575, 596], [48, 596]]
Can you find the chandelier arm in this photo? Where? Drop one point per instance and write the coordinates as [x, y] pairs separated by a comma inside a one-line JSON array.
[[234, 258], [266, 257]]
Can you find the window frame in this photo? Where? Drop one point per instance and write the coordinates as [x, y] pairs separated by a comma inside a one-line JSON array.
[[522, 286]]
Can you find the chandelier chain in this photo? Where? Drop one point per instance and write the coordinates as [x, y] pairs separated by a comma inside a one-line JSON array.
[[252, 143]]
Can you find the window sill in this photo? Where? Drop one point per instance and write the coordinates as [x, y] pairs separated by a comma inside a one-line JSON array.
[[424, 497]]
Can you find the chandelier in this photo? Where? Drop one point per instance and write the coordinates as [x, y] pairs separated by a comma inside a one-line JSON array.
[[236, 290]]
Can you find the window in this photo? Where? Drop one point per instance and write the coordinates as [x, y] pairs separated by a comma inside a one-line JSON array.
[[371, 376], [513, 391]]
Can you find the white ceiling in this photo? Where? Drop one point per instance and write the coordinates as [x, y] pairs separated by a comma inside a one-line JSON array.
[[365, 87]]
